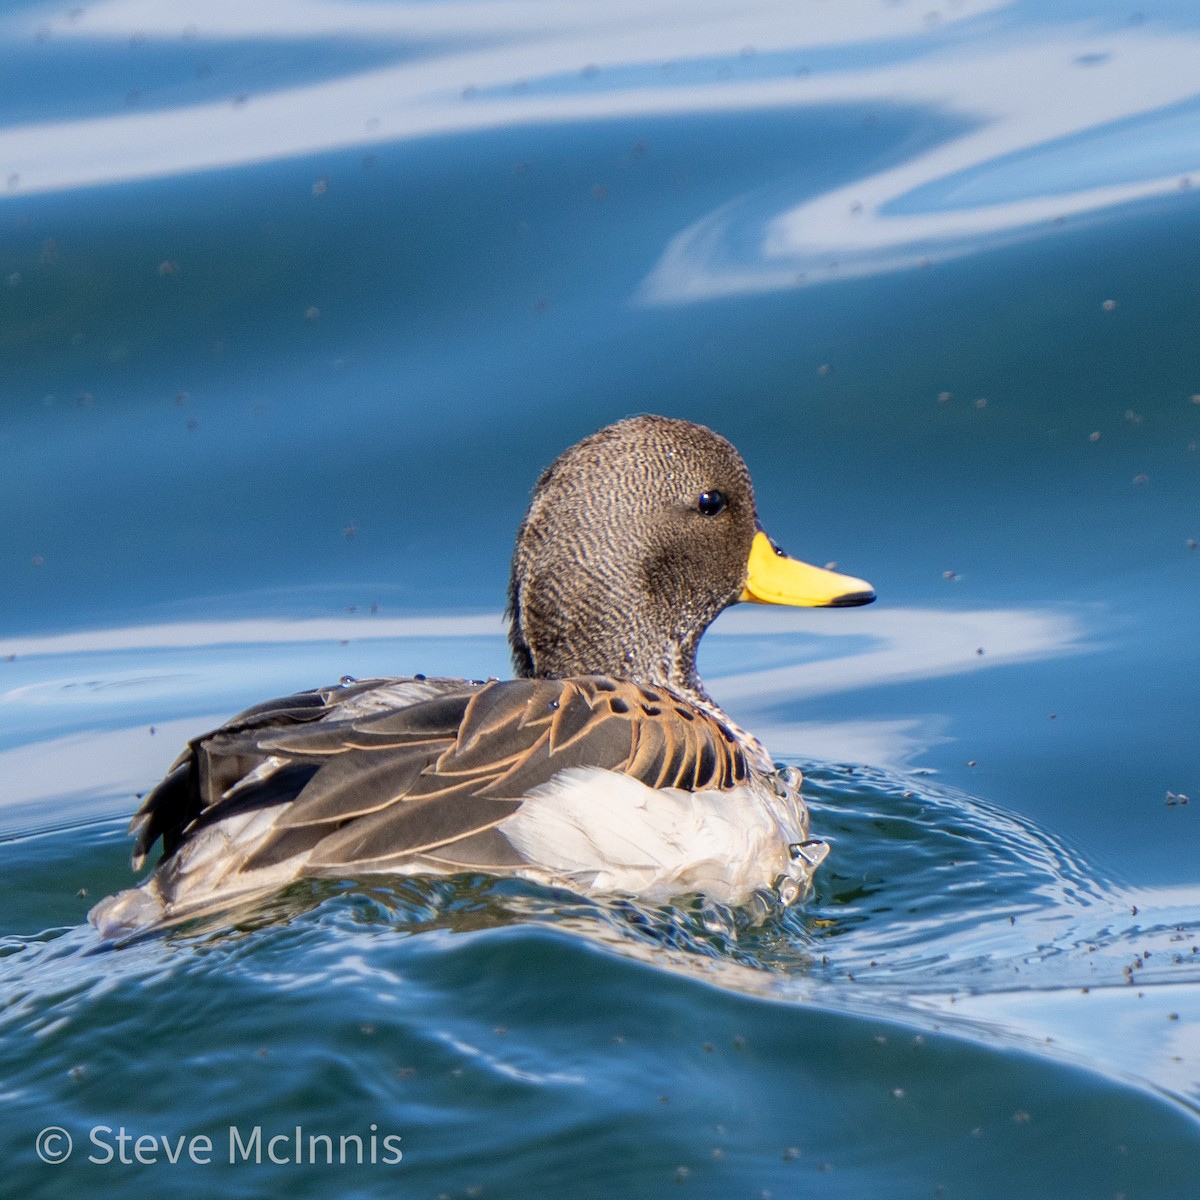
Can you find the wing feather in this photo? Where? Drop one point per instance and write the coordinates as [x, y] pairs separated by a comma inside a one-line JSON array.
[[378, 773], [403, 830], [352, 785], [650, 752]]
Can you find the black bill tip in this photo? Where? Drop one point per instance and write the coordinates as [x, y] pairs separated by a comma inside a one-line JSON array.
[[853, 599]]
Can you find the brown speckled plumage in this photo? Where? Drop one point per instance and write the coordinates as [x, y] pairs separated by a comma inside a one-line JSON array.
[[622, 578]]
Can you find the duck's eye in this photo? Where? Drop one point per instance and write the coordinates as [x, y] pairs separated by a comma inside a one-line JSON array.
[[711, 503]]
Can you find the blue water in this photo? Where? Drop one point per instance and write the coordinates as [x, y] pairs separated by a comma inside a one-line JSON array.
[[296, 301]]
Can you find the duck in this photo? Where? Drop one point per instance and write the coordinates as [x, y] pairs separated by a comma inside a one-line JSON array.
[[603, 767]]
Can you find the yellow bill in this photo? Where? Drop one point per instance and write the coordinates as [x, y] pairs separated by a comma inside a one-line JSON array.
[[773, 578]]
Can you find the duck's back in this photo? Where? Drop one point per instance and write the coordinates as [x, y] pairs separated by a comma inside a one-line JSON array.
[[387, 775]]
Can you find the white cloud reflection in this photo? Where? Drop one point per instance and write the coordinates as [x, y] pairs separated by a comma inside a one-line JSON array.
[[902, 645], [113, 763], [1104, 1030], [1017, 171], [487, 47], [249, 631], [907, 644], [696, 22], [1023, 92], [886, 646]]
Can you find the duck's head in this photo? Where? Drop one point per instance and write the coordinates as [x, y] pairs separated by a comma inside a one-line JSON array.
[[635, 539]]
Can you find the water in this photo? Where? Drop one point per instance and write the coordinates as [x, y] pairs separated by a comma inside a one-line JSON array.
[[295, 303]]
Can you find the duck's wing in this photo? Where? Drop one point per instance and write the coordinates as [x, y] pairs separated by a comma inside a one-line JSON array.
[[435, 778], [203, 780]]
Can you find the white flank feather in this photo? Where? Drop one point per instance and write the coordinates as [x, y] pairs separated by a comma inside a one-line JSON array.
[[609, 832]]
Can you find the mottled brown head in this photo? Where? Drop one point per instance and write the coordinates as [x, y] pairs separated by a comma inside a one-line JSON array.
[[636, 538]]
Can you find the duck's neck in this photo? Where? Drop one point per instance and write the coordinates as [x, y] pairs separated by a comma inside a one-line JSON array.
[[672, 666], [676, 669], [670, 671]]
